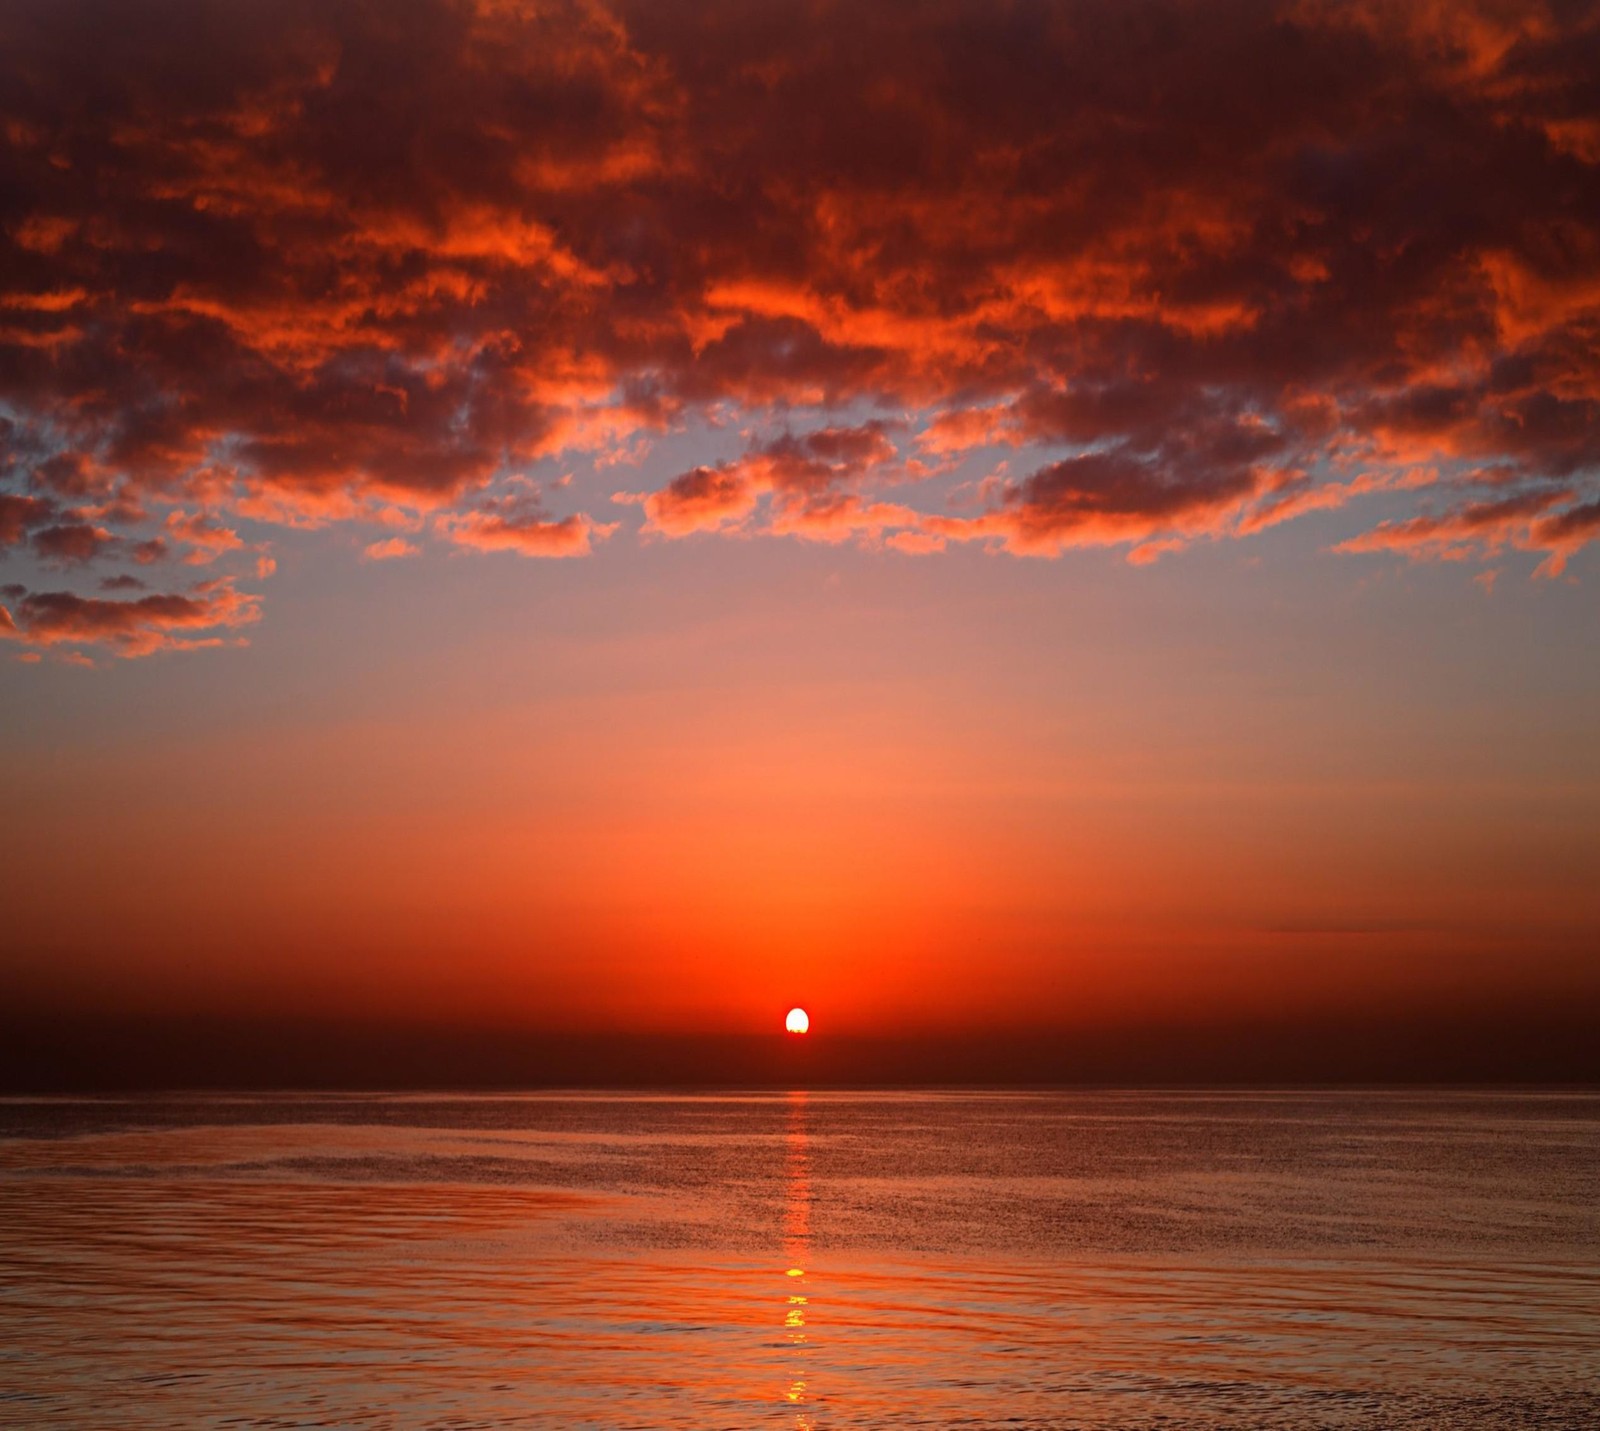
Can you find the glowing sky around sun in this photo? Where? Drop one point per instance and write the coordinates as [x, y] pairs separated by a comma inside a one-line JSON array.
[[633, 515]]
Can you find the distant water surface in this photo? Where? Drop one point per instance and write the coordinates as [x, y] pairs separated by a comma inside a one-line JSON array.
[[1063, 1260]]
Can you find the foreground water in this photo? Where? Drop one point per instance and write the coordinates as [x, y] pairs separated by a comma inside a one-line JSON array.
[[803, 1261]]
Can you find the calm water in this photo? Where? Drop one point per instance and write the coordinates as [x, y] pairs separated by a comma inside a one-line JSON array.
[[831, 1260]]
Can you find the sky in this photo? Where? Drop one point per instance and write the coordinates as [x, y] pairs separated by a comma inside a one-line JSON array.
[[1071, 522]]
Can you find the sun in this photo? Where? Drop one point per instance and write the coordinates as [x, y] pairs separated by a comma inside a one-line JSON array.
[[796, 1021]]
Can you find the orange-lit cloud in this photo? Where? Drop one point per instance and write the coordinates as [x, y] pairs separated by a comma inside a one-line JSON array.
[[389, 549], [810, 481], [1541, 521], [134, 627], [571, 536], [517, 522], [1191, 272]]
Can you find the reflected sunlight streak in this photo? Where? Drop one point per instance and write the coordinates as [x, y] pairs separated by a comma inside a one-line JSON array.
[[796, 1249]]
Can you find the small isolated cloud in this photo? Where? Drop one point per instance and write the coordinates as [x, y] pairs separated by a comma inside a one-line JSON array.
[[513, 519], [139, 626], [528, 536], [704, 499], [1545, 521], [807, 484], [389, 549]]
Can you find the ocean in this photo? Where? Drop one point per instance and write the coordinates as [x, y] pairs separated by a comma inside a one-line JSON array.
[[1293, 1259]]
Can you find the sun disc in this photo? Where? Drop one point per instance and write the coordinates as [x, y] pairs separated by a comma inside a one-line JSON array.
[[797, 1021]]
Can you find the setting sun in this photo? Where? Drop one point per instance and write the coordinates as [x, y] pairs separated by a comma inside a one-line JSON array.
[[797, 1022]]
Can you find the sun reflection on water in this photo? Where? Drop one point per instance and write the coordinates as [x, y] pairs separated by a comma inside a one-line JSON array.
[[796, 1253]]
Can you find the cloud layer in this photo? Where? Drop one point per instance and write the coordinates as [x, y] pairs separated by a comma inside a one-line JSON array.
[[1163, 273]]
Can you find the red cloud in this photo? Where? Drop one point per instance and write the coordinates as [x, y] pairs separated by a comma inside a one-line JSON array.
[[207, 540], [1196, 267], [389, 549], [702, 499], [18, 514], [71, 541], [132, 628], [806, 477], [1526, 521], [530, 536]]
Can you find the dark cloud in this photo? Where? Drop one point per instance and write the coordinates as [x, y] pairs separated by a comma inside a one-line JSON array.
[[1214, 266], [18, 514], [515, 522], [701, 499], [566, 537], [1575, 525], [71, 541], [810, 480], [1538, 521], [137, 627], [1109, 498]]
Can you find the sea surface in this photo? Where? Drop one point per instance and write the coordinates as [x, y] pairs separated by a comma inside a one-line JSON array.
[[803, 1260]]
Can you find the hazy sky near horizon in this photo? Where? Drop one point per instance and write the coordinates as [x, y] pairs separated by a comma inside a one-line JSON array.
[[958, 516]]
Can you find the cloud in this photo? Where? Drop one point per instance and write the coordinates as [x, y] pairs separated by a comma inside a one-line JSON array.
[[808, 482], [390, 548], [1537, 521], [205, 538], [1117, 497], [702, 499], [1206, 274], [71, 541], [19, 514], [528, 536], [136, 627]]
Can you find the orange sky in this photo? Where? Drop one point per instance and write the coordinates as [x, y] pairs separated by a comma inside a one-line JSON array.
[[965, 518]]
